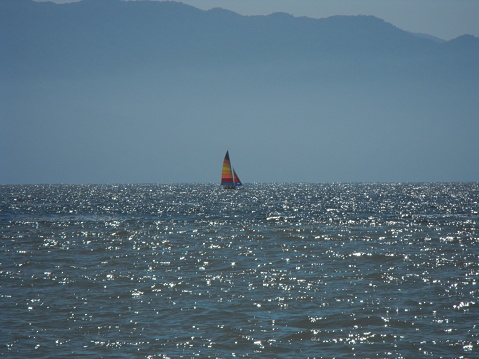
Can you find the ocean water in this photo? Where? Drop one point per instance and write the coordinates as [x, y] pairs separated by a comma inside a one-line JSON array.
[[273, 271]]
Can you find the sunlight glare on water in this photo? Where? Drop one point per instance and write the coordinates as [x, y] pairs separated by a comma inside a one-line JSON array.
[[284, 270]]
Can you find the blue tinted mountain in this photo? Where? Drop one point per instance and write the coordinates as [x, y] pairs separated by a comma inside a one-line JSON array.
[[110, 35]]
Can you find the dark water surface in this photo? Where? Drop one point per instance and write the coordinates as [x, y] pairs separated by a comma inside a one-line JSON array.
[[275, 271]]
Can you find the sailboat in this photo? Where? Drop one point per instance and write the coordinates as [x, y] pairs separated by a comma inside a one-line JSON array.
[[229, 178]]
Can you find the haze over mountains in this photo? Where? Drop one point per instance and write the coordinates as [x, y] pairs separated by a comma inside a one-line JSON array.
[[111, 91]]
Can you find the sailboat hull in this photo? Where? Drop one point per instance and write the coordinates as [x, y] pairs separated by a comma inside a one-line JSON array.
[[233, 187]]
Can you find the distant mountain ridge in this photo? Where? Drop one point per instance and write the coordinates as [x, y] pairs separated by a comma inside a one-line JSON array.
[[110, 33]]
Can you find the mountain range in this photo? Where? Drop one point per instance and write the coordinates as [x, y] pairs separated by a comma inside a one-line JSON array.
[[119, 91], [113, 34]]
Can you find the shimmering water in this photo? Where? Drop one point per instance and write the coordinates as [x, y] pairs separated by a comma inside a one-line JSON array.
[[274, 271]]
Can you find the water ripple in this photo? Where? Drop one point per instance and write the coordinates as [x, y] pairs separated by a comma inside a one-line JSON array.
[[297, 270]]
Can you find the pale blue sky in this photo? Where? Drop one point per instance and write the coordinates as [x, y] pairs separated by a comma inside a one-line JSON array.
[[445, 19]]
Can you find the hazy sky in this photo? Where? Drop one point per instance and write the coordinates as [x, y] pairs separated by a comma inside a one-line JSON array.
[[445, 19], [69, 116]]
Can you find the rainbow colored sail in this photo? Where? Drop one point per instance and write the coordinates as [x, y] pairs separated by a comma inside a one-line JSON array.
[[226, 173], [236, 179], [229, 178]]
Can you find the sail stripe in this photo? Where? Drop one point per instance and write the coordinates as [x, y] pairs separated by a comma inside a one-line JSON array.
[[226, 173]]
